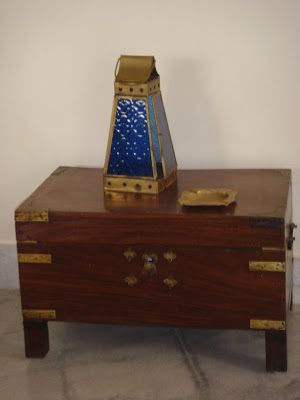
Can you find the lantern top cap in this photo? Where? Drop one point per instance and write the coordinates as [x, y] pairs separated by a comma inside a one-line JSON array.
[[135, 69]]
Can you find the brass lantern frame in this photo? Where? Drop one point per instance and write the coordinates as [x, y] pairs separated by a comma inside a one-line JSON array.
[[139, 184]]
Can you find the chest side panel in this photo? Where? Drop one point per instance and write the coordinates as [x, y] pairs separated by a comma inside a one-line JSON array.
[[289, 252]]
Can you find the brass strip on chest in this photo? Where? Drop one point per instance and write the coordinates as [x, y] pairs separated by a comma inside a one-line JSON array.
[[273, 249], [27, 241], [31, 216], [35, 258], [39, 314], [266, 324], [270, 266]]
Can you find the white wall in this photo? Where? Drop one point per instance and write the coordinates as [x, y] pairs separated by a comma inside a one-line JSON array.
[[230, 73]]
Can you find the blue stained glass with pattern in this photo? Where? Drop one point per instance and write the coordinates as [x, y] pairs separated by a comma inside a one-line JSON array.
[[154, 130], [130, 149], [165, 138]]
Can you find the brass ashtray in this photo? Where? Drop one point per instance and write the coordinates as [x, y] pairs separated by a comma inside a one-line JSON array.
[[207, 197]]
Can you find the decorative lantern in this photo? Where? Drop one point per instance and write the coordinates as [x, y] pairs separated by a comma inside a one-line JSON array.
[[140, 155]]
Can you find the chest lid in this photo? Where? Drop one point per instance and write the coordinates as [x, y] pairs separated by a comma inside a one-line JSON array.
[[70, 206]]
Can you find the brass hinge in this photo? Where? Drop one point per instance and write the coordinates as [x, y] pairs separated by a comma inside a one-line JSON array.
[[39, 314], [35, 258], [31, 216], [267, 324], [271, 266]]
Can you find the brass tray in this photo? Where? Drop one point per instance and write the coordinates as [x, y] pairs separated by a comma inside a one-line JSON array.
[[207, 197]]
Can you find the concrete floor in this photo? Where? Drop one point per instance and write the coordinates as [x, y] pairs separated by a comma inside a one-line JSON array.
[[95, 362]]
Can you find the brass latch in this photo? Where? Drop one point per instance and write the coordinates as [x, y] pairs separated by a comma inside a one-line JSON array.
[[291, 236]]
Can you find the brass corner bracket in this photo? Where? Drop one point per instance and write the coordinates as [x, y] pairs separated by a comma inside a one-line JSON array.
[[31, 216], [35, 258], [39, 314], [270, 266], [266, 324]]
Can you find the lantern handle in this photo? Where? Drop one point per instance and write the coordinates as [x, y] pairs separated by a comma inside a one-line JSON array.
[[150, 71], [142, 81]]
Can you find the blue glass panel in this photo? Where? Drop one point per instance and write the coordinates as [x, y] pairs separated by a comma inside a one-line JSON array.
[[130, 150], [165, 138], [154, 130]]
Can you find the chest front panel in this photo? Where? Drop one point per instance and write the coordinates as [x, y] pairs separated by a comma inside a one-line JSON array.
[[153, 285]]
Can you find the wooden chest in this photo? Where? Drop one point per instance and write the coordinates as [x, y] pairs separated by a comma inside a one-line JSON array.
[[139, 259]]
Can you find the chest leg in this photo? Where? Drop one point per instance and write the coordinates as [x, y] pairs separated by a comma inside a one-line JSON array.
[[276, 351], [36, 338]]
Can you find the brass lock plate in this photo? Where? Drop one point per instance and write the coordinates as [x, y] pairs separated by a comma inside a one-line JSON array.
[[150, 260]]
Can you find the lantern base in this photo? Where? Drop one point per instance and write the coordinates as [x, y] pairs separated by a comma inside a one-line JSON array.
[[138, 185]]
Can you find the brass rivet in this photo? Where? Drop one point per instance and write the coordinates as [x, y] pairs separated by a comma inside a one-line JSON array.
[[169, 256], [170, 281], [131, 280], [129, 254]]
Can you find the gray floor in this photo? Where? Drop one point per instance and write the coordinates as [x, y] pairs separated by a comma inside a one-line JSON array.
[[89, 362]]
